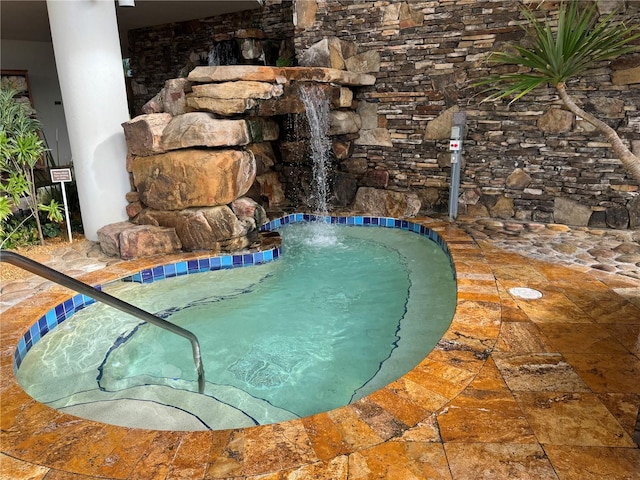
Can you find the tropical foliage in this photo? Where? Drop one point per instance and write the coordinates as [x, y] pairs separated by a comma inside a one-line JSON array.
[[20, 150], [563, 49]]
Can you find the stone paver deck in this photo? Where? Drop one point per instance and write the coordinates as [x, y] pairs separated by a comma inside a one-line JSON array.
[[516, 389]]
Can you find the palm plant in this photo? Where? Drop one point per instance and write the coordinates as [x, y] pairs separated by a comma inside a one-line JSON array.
[[20, 150], [578, 42]]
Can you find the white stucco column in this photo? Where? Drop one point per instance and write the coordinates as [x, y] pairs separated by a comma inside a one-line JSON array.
[[89, 64]]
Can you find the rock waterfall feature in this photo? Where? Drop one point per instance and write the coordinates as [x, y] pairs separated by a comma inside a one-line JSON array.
[[207, 158]]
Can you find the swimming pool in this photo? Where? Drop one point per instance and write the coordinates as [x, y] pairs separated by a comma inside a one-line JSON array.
[[241, 391]]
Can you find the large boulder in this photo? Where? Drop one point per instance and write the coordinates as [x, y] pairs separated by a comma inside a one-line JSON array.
[[503, 208], [193, 178], [109, 237], [345, 187], [365, 62], [246, 208], [440, 127], [144, 133], [227, 73], [617, 217], [324, 53], [239, 89], [375, 136], [556, 120], [174, 96], [570, 212], [518, 179], [201, 129], [627, 76], [386, 203], [210, 228], [225, 107], [264, 155], [271, 188], [147, 240], [343, 122], [377, 178]]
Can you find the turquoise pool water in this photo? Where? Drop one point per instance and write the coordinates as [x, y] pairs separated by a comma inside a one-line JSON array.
[[343, 312]]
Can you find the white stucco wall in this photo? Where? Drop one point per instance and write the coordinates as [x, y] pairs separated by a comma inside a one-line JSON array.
[[38, 59]]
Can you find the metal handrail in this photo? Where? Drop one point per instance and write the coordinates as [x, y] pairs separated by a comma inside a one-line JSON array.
[[66, 281]]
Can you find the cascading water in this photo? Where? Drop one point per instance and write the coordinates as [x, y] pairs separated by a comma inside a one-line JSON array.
[[223, 53], [317, 110]]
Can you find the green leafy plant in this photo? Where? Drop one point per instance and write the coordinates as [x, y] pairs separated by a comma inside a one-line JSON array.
[[17, 232], [20, 150], [578, 41], [284, 62], [51, 230]]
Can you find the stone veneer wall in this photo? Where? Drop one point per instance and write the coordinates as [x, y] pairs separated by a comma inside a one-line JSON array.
[[162, 52], [532, 160]]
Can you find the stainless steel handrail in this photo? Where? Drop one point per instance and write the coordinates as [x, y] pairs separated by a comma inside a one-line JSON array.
[[66, 281]]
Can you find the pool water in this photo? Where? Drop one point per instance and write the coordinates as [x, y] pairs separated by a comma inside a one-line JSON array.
[[343, 312]]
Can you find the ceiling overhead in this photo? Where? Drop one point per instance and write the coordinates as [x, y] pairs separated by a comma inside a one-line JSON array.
[[28, 19]]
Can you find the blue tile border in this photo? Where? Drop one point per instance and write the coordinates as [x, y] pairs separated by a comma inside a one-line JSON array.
[[361, 220], [63, 311]]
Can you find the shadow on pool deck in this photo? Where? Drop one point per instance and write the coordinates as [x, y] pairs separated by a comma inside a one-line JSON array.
[[516, 389]]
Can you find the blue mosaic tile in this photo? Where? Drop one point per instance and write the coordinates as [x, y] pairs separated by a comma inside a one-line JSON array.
[[68, 305], [147, 276], [192, 266], [247, 259], [22, 346], [237, 260], [216, 263], [78, 301], [258, 257], [157, 273], [181, 268], [227, 261], [50, 318], [137, 277], [204, 264], [170, 270], [37, 329], [19, 354]]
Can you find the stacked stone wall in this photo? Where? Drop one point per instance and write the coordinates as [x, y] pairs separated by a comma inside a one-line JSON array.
[[520, 160], [169, 51]]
